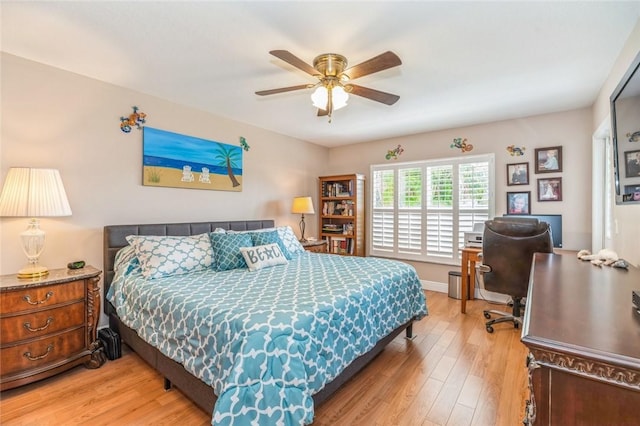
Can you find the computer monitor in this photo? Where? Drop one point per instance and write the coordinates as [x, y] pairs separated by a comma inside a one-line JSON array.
[[554, 221]]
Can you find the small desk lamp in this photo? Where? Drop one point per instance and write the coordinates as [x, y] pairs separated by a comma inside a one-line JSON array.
[[302, 205], [33, 193]]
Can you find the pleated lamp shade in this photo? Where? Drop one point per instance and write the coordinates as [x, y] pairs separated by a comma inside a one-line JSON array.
[[33, 193]]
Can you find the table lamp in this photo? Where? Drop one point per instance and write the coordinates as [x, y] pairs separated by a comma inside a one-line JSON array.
[[302, 205], [33, 193]]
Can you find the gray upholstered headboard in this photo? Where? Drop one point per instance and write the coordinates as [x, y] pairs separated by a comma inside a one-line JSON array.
[[115, 238]]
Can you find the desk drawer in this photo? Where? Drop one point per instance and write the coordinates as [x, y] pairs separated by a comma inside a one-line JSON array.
[[28, 299], [40, 323], [39, 353]]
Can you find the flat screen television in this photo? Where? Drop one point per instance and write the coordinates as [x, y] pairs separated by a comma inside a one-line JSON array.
[[554, 221], [625, 129]]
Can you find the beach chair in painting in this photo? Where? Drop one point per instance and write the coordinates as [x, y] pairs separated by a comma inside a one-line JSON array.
[[204, 176], [187, 174]]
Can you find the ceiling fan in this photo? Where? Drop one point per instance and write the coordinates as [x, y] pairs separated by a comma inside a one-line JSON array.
[[334, 77]]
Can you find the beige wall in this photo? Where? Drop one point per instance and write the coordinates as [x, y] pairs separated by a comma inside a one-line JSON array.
[[626, 229], [571, 130], [53, 118]]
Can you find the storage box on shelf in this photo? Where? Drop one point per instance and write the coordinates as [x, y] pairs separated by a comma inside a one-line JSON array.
[[341, 221]]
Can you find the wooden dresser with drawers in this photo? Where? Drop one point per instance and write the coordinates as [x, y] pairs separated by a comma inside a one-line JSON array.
[[48, 325]]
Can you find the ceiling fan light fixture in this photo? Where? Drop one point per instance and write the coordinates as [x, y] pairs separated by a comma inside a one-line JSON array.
[[319, 97], [339, 98]]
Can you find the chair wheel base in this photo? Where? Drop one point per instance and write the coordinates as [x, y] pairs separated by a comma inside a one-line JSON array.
[[487, 316], [489, 329]]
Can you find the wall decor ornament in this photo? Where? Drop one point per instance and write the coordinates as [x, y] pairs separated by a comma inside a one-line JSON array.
[[394, 153], [515, 151], [178, 161], [461, 144], [244, 144], [137, 118], [634, 137]]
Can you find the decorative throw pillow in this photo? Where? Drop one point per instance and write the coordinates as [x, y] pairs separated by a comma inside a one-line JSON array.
[[126, 259], [259, 257], [269, 237], [160, 256], [289, 240], [226, 249]]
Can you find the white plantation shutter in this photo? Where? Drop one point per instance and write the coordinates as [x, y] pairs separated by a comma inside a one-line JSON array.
[[439, 209], [473, 197], [383, 216], [421, 210], [383, 232], [410, 232], [409, 218]]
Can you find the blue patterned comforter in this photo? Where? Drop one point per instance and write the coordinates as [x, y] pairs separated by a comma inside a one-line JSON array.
[[266, 341]]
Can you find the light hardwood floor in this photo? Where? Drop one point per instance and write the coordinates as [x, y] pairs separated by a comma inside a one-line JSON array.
[[452, 373]]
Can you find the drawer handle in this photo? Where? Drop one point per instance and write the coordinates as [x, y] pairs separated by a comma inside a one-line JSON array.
[[27, 325], [35, 358], [39, 302]]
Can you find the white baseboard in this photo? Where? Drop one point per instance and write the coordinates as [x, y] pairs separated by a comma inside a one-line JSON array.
[[435, 286], [480, 293]]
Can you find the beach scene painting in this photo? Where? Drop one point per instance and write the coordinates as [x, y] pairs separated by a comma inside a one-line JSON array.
[[179, 161]]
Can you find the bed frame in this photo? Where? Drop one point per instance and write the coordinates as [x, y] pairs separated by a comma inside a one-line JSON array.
[[173, 372]]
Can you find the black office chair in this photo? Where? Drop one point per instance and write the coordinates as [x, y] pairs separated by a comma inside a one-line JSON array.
[[508, 245]]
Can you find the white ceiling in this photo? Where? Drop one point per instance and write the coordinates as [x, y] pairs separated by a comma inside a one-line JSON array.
[[463, 62]]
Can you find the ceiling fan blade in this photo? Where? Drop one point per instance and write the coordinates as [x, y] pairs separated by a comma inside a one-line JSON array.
[[322, 112], [381, 62], [375, 95], [283, 89], [290, 58]]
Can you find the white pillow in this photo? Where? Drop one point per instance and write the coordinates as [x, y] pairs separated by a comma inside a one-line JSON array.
[[160, 256], [259, 257], [289, 239]]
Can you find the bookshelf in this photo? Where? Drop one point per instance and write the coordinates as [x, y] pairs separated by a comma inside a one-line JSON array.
[[341, 219]]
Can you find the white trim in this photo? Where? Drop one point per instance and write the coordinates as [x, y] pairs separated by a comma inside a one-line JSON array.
[[435, 286], [599, 204], [480, 293]]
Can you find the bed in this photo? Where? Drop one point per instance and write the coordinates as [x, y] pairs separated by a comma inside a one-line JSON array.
[[261, 343]]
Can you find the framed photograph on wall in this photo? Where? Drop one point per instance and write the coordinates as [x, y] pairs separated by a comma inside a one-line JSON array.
[[519, 202], [550, 189], [632, 192], [518, 174], [548, 160], [632, 162]]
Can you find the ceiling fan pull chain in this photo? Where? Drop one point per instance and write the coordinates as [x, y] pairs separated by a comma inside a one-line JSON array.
[[329, 102]]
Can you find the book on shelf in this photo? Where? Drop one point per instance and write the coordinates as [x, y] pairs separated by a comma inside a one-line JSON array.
[[333, 208], [341, 245], [336, 189]]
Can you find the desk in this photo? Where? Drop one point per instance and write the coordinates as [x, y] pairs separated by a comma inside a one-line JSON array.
[[582, 334], [470, 255]]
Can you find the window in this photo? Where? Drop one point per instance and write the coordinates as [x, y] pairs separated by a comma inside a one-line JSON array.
[[420, 210]]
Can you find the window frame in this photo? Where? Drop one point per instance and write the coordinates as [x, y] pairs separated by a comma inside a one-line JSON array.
[[423, 256]]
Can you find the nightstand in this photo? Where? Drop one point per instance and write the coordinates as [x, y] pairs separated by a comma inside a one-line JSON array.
[[48, 325], [318, 246]]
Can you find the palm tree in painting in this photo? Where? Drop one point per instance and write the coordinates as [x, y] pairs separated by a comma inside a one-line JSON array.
[[229, 157]]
